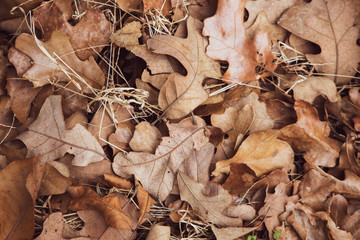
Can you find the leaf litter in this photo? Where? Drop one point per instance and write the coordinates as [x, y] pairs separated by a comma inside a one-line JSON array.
[[186, 119]]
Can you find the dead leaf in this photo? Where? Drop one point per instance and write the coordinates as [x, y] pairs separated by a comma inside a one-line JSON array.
[[334, 28], [186, 149], [335, 232], [121, 138], [87, 37], [354, 95], [158, 232], [262, 152], [209, 208], [7, 120], [182, 94], [313, 87], [85, 198], [53, 227], [146, 138], [62, 63], [227, 41], [272, 8], [48, 137], [20, 60], [310, 135], [145, 202], [164, 6], [128, 6], [231, 232]]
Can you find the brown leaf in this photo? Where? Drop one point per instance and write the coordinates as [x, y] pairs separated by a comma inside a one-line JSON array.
[[20, 60], [61, 63], [53, 227], [182, 94], [128, 6], [186, 149], [158, 232], [334, 29], [121, 138], [146, 138], [272, 8], [93, 29], [209, 208], [227, 41], [262, 152], [312, 87], [231, 232], [335, 232], [48, 137], [310, 135], [145, 202], [163, 6], [85, 198], [17, 205], [7, 120], [354, 95]]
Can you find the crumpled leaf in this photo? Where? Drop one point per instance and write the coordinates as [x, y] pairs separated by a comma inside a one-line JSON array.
[[182, 94], [84, 198], [146, 138], [262, 152], [87, 37], [53, 54], [48, 137], [334, 230], [334, 28], [310, 135], [209, 208], [312, 87], [187, 149], [272, 8], [227, 41]]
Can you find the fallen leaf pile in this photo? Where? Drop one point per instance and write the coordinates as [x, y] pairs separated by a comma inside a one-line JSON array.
[[181, 119]]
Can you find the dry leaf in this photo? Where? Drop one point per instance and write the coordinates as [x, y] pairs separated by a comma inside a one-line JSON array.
[[182, 94], [310, 135], [158, 232], [312, 87], [163, 6], [87, 37], [209, 208], [272, 8], [84, 198], [53, 227], [231, 232], [128, 6], [48, 137], [335, 232], [7, 120], [186, 149], [334, 28], [354, 96], [262, 152], [227, 41], [121, 137], [61, 63], [146, 138]]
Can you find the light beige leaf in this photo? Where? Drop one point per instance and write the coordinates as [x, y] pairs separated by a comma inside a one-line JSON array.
[[334, 28], [182, 94], [48, 137], [262, 152], [56, 60], [312, 87], [146, 138], [159, 232], [230, 233], [209, 208]]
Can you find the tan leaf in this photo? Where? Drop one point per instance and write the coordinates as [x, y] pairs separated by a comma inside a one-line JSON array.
[[164, 6], [312, 87], [262, 152], [310, 135], [272, 8], [354, 95], [335, 232], [7, 118], [128, 6], [121, 138], [334, 29], [146, 138], [53, 227], [48, 137], [209, 208], [20, 60], [128, 37], [182, 94], [186, 149], [158, 232], [85, 198], [227, 41], [275, 32], [145, 202], [61, 63], [231, 232], [87, 37]]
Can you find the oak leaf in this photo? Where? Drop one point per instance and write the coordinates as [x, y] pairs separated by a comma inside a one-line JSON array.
[[182, 94], [185, 149], [57, 54], [209, 208], [310, 135], [48, 137], [227, 41], [262, 152], [334, 28]]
